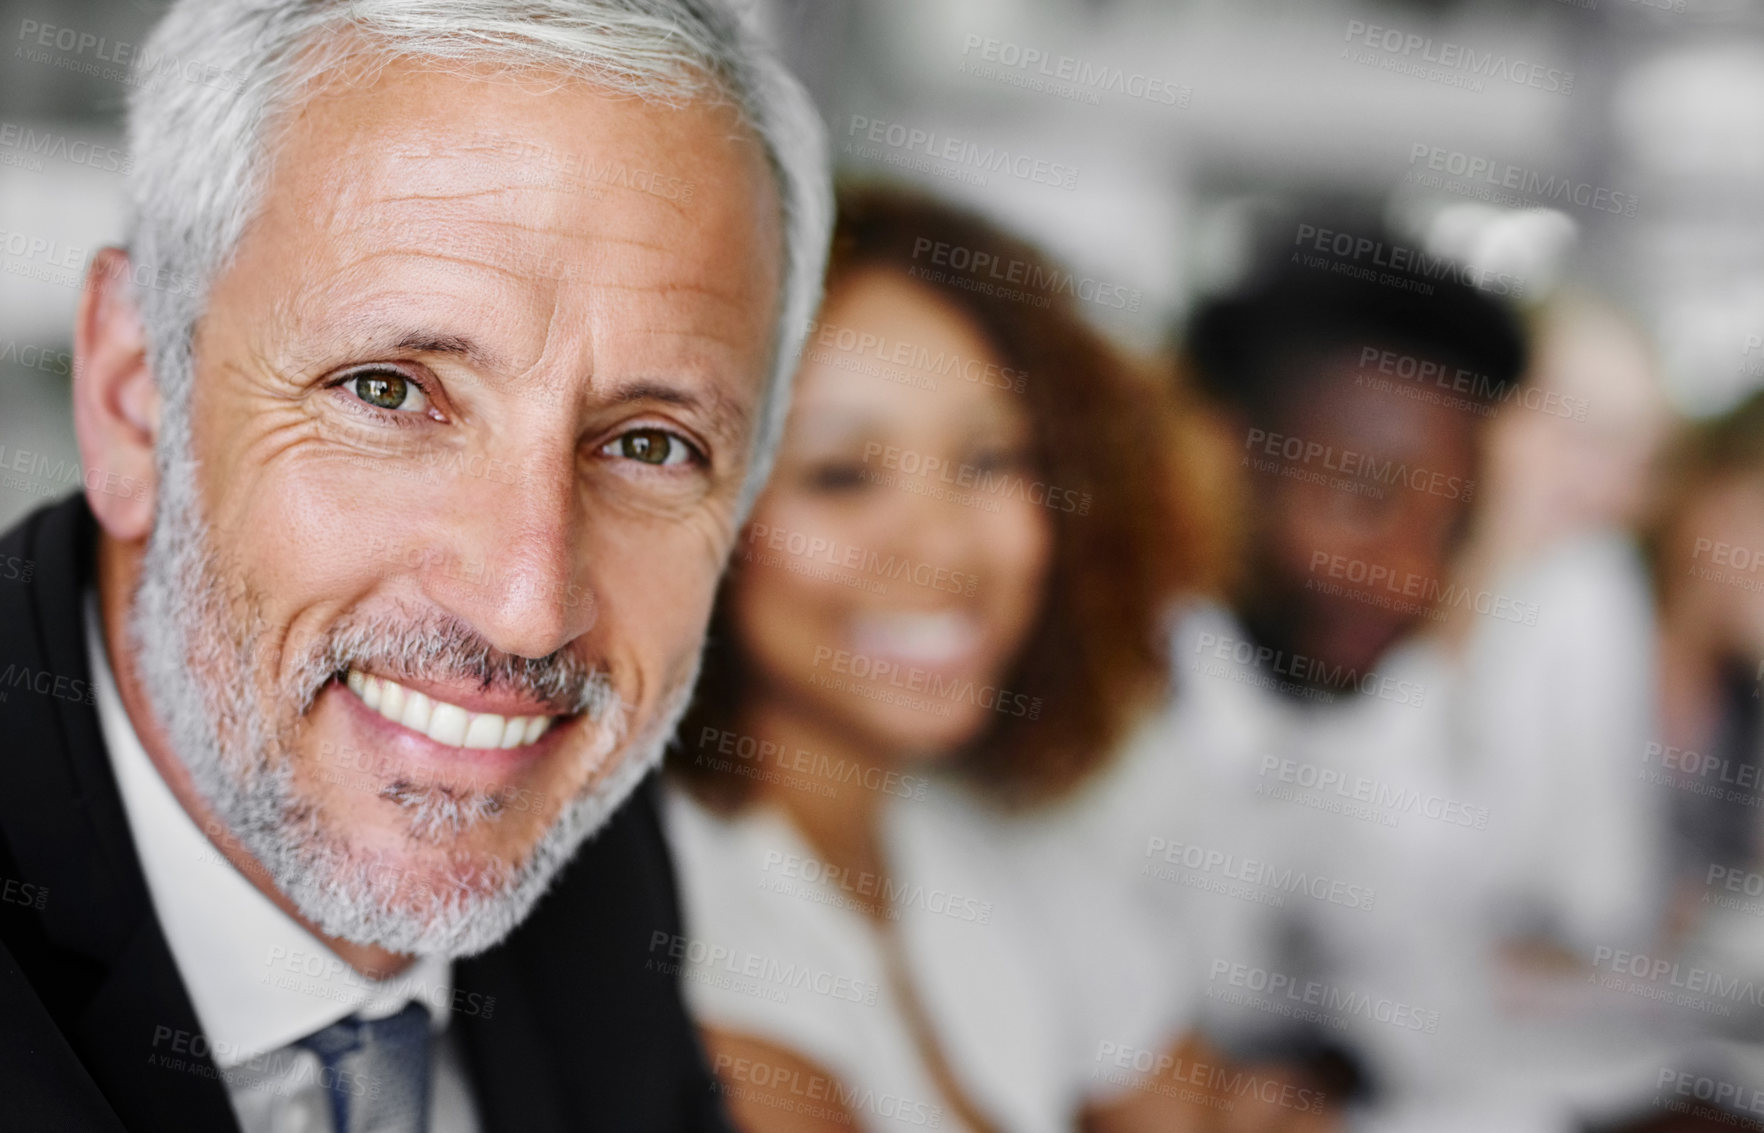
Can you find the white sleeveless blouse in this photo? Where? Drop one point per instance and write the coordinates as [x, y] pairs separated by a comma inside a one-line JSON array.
[[1024, 958]]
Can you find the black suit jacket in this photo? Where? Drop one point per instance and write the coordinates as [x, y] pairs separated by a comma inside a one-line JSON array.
[[96, 1028]]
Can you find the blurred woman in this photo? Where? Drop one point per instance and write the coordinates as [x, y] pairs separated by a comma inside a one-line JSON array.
[[944, 609], [1705, 544]]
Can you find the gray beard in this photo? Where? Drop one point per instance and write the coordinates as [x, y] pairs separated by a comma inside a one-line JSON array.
[[199, 670]]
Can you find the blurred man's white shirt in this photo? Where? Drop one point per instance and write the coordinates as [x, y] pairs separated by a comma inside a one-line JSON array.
[[1356, 853]]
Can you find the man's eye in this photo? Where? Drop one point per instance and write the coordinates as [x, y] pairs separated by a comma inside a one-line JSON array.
[[650, 446], [386, 389]]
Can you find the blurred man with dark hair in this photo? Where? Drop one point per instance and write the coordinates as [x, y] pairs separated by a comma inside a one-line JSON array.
[[1358, 407], [1300, 817]]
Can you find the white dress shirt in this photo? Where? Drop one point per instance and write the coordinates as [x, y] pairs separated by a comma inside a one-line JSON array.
[[257, 978], [1372, 886]]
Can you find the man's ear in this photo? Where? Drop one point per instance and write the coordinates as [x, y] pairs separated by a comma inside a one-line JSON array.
[[115, 401]]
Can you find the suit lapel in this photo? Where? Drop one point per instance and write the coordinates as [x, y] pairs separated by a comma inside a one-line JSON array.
[[141, 1041], [513, 1068], [114, 986]]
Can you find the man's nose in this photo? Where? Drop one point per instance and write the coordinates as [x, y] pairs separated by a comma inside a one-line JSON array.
[[516, 568]]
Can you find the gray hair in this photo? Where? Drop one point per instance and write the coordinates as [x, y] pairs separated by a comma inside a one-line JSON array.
[[216, 74]]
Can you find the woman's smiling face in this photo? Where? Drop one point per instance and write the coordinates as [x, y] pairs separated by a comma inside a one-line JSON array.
[[891, 571]]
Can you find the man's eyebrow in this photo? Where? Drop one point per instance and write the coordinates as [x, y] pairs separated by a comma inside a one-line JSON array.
[[728, 415], [432, 342], [370, 336]]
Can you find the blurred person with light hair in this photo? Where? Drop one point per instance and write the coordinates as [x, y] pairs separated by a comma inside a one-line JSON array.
[[449, 346], [1571, 455], [943, 618], [1561, 708], [1702, 541]]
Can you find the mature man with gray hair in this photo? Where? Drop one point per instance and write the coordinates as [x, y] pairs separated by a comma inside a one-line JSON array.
[[449, 346]]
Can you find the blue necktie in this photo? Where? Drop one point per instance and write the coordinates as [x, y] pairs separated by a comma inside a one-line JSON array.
[[376, 1071]]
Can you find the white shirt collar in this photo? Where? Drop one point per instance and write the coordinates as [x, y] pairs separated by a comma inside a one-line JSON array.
[[257, 978]]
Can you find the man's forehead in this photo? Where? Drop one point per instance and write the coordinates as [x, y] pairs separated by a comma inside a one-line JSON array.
[[415, 149], [456, 194]]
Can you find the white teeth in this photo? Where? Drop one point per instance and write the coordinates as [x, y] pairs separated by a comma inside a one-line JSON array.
[[928, 639], [447, 724], [392, 700], [484, 729], [442, 722], [417, 710]]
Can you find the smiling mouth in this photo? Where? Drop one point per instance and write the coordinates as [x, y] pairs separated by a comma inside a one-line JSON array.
[[933, 639], [446, 724]]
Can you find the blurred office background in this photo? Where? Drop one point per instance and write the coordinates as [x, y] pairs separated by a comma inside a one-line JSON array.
[[1171, 129], [1606, 156]]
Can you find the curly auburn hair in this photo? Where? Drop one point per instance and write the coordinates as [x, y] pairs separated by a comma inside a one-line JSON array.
[[1096, 654]]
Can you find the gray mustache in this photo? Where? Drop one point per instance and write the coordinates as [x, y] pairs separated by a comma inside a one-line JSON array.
[[444, 648]]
